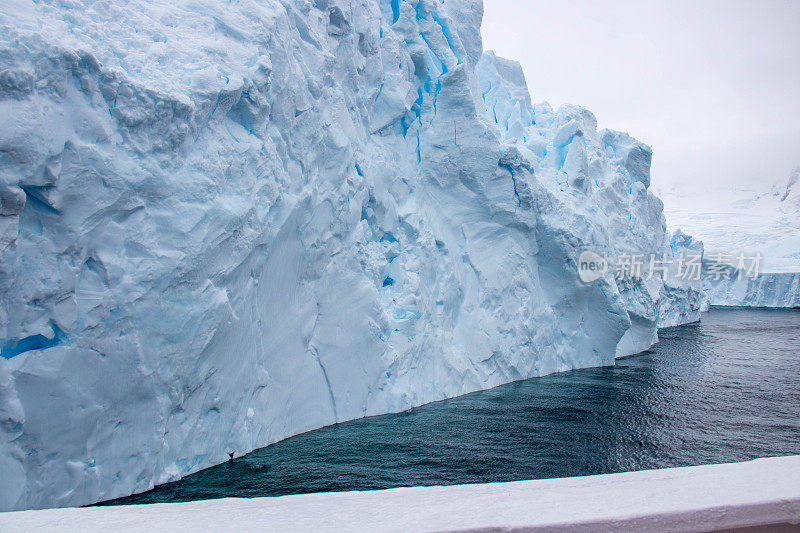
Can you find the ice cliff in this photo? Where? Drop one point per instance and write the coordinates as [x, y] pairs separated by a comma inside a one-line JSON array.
[[768, 289], [225, 223]]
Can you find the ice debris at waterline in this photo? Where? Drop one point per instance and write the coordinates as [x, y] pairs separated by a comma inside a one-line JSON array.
[[225, 224]]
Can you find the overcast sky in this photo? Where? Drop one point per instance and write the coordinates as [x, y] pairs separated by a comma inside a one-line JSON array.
[[713, 86]]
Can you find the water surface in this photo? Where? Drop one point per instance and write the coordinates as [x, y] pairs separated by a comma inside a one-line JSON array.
[[726, 389]]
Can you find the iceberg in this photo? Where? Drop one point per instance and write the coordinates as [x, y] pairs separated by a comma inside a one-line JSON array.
[[225, 224], [734, 287], [770, 289]]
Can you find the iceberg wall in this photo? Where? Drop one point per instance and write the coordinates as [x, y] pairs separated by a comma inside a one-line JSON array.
[[768, 289], [225, 224]]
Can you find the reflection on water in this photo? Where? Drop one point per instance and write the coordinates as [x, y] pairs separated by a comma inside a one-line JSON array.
[[727, 389]]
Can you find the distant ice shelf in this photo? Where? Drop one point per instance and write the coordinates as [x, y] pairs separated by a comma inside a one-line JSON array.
[[778, 290]]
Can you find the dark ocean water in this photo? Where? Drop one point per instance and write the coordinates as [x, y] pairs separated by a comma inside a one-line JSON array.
[[724, 390]]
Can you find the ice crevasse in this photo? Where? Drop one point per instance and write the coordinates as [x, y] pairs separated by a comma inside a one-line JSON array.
[[226, 223]]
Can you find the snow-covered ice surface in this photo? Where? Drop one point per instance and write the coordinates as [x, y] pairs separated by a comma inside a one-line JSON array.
[[696, 498], [226, 223]]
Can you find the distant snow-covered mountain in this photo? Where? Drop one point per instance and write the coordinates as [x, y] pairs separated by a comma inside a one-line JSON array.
[[736, 219]]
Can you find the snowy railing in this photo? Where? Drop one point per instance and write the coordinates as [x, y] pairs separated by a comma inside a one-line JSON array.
[[700, 498]]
